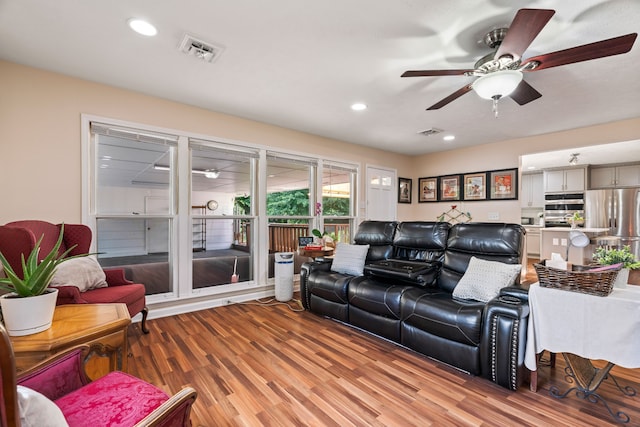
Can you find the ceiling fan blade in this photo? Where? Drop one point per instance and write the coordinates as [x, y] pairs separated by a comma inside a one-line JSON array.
[[455, 95], [525, 93], [586, 52], [433, 73], [524, 28]]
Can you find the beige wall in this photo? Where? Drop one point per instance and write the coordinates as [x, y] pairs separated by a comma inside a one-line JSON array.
[[40, 165], [506, 154], [40, 172]]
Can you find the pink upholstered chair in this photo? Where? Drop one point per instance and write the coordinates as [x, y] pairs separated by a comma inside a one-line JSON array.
[[19, 237], [116, 399]]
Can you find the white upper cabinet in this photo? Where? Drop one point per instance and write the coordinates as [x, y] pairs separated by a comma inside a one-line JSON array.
[[615, 176], [565, 180], [532, 191]]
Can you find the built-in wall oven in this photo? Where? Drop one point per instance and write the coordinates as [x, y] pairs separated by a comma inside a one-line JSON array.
[[558, 208]]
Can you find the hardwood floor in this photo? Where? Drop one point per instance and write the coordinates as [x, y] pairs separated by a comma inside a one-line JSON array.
[[261, 364]]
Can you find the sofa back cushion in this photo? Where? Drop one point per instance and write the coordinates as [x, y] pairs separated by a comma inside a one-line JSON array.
[[421, 240], [379, 236], [489, 241]]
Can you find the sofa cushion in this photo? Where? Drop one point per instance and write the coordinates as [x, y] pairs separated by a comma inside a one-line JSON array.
[[132, 295], [483, 279], [349, 259], [438, 314], [117, 399], [491, 241], [379, 236], [36, 410], [421, 240], [377, 297], [84, 273]]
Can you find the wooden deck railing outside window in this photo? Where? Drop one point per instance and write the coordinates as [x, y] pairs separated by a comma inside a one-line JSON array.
[[284, 237]]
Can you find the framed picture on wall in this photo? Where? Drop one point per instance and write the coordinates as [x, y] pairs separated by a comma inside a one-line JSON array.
[[428, 189], [449, 188], [404, 190], [504, 184], [475, 186]]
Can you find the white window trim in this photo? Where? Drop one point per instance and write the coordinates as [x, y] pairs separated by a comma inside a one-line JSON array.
[[185, 299]]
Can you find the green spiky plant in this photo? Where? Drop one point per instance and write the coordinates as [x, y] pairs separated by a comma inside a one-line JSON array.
[[37, 275], [606, 256]]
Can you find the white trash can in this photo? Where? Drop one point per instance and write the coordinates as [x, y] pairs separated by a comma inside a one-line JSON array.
[[284, 275]]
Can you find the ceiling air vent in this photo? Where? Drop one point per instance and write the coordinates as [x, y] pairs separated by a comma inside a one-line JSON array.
[[202, 50], [431, 131]]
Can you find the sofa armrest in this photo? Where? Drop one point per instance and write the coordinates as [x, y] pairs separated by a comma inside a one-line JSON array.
[[504, 339], [306, 269], [516, 291], [58, 375], [174, 412], [115, 277]]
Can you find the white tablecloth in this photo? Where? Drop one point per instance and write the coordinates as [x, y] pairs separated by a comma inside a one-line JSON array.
[[597, 328]]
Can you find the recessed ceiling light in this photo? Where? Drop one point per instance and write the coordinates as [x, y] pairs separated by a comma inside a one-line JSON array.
[[448, 137], [358, 106], [531, 168], [141, 26]]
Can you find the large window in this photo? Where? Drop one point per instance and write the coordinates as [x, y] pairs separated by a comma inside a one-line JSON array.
[[133, 202], [289, 202], [223, 251], [190, 217], [338, 200]]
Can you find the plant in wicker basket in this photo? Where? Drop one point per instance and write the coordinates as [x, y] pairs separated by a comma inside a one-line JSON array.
[[624, 256]]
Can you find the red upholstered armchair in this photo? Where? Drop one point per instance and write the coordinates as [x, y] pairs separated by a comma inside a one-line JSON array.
[[116, 399], [19, 237]]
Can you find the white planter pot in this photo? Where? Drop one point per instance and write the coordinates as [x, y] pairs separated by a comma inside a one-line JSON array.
[[30, 315]]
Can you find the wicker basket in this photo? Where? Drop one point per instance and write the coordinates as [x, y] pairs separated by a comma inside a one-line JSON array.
[[579, 279]]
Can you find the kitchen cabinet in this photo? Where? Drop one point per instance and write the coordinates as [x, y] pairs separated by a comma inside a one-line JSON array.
[[565, 180], [533, 242], [532, 195], [615, 176]]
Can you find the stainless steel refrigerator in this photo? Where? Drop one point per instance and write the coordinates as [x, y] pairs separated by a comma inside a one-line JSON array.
[[617, 209]]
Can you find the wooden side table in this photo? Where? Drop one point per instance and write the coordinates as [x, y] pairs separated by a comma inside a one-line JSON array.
[[103, 327], [315, 253]]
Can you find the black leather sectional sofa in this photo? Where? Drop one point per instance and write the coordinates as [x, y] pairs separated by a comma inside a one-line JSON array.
[[405, 294]]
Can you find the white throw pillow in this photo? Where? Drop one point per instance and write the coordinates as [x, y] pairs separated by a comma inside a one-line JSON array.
[[84, 273], [349, 259], [483, 279], [38, 411]]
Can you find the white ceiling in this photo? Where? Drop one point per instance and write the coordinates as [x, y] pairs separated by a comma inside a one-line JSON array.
[[300, 64]]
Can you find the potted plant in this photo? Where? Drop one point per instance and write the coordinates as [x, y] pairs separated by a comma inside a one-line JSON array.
[[325, 238], [612, 256], [576, 220], [28, 306]]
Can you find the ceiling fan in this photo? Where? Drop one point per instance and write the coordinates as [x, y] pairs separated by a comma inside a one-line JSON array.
[[500, 73]]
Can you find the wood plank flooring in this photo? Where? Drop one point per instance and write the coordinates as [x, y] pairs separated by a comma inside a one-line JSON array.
[[256, 365]]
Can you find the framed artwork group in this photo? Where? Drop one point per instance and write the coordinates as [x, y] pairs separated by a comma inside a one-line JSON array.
[[487, 185]]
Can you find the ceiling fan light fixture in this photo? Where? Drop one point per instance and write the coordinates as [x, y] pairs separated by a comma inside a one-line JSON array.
[[211, 173], [497, 84]]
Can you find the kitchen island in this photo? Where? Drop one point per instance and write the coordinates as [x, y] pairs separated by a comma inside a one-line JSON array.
[[556, 239]]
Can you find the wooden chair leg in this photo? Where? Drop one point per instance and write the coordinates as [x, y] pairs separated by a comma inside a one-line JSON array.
[[143, 324]]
